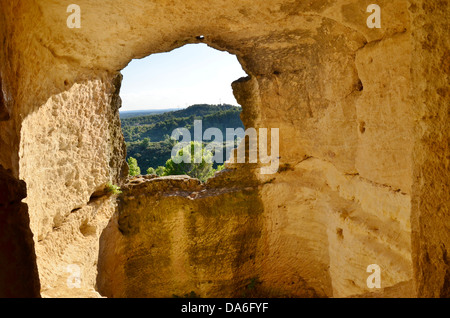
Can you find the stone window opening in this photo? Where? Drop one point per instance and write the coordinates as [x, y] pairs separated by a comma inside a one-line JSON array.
[[172, 90]]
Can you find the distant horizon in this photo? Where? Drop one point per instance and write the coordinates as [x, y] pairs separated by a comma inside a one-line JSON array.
[[161, 109], [148, 110]]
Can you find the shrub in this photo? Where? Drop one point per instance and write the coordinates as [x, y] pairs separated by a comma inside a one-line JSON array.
[[113, 189]]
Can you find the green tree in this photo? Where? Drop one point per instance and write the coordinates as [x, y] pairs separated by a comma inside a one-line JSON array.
[[134, 168], [155, 151], [202, 170], [160, 171], [145, 142]]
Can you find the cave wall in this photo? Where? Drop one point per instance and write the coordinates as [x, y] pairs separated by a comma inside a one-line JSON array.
[[18, 268], [431, 174], [71, 148], [363, 118], [172, 236], [351, 206]]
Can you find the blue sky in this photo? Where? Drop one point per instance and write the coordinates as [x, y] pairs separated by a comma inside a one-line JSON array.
[[192, 74]]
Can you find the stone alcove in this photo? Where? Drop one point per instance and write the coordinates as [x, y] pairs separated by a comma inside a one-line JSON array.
[[364, 134]]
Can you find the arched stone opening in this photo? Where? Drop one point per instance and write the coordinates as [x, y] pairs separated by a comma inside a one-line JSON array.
[[186, 88]]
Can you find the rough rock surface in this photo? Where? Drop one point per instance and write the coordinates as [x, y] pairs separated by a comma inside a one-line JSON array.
[[364, 147], [56, 156], [430, 214], [173, 235]]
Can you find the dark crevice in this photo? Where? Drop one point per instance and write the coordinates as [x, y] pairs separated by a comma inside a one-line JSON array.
[[4, 113], [362, 127], [359, 86], [97, 196], [19, 275], [340, 233]]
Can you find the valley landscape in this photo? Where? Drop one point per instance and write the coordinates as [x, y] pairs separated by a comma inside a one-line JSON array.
[[148, 137]]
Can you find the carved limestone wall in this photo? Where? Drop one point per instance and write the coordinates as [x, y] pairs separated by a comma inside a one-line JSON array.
[[363, 119]]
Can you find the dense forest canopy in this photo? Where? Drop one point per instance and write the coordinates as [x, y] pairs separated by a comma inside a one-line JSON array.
[[148, 137], [136, 113]]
